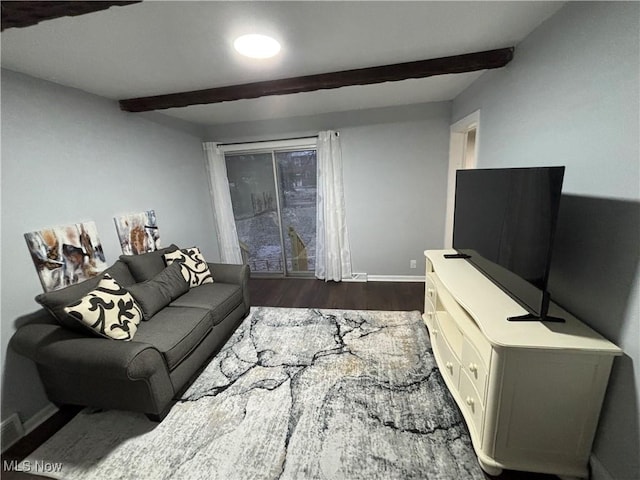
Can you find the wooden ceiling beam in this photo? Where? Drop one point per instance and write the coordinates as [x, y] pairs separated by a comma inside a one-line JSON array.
[[27, 13], [470, 62]]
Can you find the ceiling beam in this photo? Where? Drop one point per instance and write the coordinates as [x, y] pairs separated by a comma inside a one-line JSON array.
[[470, 62], [24, 14]]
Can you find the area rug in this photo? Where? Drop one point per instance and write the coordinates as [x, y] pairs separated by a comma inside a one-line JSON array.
[[295, 394]]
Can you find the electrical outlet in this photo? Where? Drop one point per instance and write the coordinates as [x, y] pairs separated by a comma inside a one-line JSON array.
[[412, 264]]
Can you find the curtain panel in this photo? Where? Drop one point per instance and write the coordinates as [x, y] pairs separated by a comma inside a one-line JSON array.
[[221, 199], [333, 253]]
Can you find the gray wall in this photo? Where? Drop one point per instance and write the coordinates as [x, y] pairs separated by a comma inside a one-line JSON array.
[[395, 171], [570, 97], [67, 157]]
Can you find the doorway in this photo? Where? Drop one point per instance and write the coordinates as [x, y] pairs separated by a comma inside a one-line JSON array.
[[463, 154]]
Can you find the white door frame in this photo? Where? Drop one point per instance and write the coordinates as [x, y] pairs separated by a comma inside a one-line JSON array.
[[457, 154]]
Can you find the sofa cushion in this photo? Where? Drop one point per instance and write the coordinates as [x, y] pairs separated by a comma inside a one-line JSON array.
[[108, 310], [146, 266], [158, 292], [120, 273], [195, 269], [56, 300], [175, 332], [220, 298]]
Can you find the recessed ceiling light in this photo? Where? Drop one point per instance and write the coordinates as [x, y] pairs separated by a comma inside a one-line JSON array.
[[256, 46]]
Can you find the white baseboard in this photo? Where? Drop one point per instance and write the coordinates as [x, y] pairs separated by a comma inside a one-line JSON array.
[[598, 472], [356, 277], [39, 418], [364, 277], [396, 278], [12, 431]]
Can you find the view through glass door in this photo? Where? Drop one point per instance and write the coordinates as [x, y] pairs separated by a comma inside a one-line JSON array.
[[273, 194]]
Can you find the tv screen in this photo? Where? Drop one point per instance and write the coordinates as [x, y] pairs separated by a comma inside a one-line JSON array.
[[504, 221]]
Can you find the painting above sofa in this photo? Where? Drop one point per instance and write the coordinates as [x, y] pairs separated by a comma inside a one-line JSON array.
[[66, 255], [138, 232]]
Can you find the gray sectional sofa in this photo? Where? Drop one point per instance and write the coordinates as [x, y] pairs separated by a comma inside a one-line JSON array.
[[180, 332]]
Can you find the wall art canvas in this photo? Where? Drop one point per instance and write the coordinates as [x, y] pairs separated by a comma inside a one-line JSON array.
[[138, 232], [66, 255]]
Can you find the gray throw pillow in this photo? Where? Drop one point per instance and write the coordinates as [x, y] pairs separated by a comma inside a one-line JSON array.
[[147, 265], [155, 294]]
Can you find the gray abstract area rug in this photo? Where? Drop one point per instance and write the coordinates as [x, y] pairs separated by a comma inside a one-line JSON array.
[[295, 394]]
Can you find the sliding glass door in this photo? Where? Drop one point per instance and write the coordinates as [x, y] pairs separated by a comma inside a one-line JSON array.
[[274, 205]]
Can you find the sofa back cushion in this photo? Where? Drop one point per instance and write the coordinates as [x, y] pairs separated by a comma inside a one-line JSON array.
[[147, 265], [56, 300], [160, 291]]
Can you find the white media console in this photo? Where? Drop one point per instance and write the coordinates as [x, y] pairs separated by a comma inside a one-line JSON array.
[[530, 392]]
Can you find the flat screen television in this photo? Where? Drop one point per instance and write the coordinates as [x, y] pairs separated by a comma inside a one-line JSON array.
[[504, 225]]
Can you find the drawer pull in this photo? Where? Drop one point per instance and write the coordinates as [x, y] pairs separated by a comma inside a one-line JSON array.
[[470, 402], [430, 292], [473, 367], [449, 365]]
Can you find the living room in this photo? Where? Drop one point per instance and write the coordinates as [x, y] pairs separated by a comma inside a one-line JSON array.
[[569, 97]]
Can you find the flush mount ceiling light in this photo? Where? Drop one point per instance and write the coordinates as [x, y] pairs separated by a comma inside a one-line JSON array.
[[256, 46]]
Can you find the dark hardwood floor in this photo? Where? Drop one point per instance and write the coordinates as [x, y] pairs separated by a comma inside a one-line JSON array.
[[291, 293], [302, 292]]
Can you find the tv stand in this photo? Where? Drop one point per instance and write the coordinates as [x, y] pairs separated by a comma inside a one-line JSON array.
[[530, 392]]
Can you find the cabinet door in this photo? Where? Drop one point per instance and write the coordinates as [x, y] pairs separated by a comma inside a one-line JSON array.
[[550, 406]]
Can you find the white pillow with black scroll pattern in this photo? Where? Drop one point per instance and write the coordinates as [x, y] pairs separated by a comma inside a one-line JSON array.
[[192, 264], [109, 310]]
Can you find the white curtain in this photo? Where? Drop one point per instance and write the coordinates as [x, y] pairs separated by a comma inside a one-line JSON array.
[[333, 254], [221, 199]]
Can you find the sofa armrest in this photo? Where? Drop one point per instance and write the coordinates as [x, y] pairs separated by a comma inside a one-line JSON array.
[[229, 273], [72, 352], [235, 274]]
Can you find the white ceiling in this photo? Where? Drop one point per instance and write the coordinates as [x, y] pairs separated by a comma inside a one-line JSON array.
[[159, 47]]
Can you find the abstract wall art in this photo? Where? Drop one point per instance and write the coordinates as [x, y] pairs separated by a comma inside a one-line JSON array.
[[66, 255], [138, 232]]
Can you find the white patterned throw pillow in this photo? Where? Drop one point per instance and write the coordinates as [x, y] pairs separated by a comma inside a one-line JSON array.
[[109, 310], [193, 265]]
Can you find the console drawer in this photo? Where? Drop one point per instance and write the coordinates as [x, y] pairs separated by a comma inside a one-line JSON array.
[[449, 364], [475, 368], [429, 316], [430, 290], [471, 404]]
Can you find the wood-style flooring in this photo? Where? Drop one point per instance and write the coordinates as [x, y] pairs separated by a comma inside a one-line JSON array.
[[312, 293], [291, 293]]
